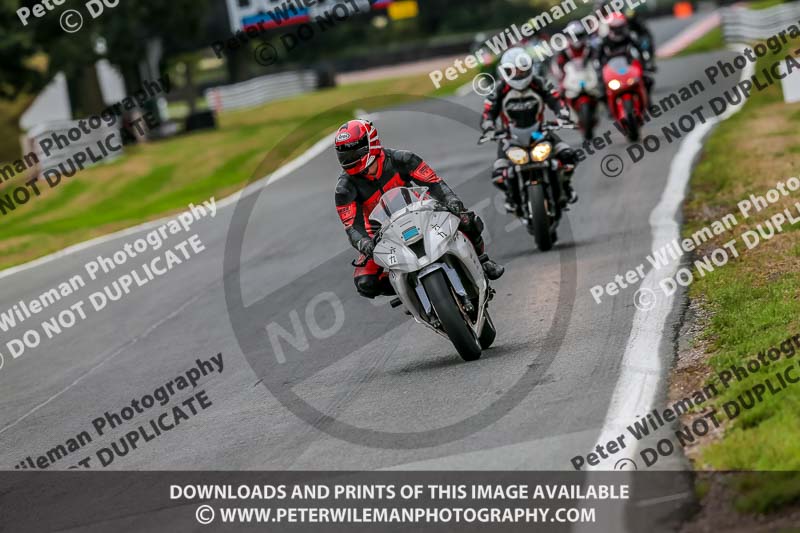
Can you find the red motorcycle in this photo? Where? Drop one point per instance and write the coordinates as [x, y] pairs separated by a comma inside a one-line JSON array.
[[626, 93]]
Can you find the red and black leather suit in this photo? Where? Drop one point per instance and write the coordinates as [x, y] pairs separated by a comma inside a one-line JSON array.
[[357, 195]]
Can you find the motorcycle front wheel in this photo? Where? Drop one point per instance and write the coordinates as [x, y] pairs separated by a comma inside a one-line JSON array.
[[632, 122], [586, 120], [539, 223], [488, 333], [453, 322]]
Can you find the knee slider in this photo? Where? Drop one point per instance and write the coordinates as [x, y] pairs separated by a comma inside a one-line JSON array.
[[478, 224], [567, 155], [500, 167], [367, 286]]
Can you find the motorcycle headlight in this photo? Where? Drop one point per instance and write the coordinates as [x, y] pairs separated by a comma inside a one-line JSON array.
[[517, 155], [614, 85], [541, 151]]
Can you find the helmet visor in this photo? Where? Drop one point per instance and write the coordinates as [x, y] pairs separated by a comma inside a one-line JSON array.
[[617, 34], [520, 74], [512, 72], [351, 153]]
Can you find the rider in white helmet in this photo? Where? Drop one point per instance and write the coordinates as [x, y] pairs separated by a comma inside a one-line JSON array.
[[519, 98]]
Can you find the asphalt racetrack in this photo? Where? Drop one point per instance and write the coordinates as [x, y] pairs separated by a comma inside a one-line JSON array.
[[379, 392]]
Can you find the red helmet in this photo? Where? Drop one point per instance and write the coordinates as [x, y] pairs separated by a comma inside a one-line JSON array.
[[357, 146], [616, 20], [617, 27]]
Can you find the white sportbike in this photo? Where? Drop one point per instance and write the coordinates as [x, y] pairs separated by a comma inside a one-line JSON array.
[[434, 269], [581, 89]]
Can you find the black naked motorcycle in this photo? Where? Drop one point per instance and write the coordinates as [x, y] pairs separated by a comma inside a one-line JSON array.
[[534, 177]]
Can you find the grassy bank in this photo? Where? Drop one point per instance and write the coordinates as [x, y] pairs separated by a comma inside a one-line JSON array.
[[153, 179], [765, 4], [752, 303], [713, 40]]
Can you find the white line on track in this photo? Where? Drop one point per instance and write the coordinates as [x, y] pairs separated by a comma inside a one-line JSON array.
[[664, 499], [689, 35], [279, 174], [636, 389], [638, 384]]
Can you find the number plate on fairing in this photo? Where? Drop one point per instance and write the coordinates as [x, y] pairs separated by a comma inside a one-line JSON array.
[[410, 233]]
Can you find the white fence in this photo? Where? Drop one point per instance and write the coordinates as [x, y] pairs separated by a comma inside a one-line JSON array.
[[257, 91], [740, 24], [56, 155]]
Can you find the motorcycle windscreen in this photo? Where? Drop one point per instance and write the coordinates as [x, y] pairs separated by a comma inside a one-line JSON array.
[[522, 137], [395, 200], [620, 65], [577, 76]]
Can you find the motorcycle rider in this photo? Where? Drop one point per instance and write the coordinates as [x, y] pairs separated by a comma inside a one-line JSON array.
[[641, 34], [369, 170], [518, 97], [578, 48], [618, 42]]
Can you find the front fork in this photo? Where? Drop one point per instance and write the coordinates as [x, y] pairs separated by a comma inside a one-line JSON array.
[[455, 282], [551, 182]]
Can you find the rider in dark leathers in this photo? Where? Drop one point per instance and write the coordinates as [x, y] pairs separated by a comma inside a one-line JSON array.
[[520, 93], [643, 35]]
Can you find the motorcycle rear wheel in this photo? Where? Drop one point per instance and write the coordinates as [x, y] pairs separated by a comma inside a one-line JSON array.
[[453, 322]]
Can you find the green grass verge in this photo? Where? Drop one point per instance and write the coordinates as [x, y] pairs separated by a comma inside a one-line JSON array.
[[753, 303], [765, 4], [162, 177], [713, 40]]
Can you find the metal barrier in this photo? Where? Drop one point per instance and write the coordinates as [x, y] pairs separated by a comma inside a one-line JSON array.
[[740, 24], [56, 155], [252, 93]]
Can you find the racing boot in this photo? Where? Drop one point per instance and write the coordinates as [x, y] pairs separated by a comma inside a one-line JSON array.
[[499, 175], [511, 206], [492, 270], [568, 194]]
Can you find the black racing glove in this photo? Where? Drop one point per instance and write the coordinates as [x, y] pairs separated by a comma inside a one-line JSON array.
[[366, 246], [455, 206]]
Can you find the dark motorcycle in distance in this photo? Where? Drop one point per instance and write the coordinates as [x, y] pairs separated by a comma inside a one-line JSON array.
[[535, 178]]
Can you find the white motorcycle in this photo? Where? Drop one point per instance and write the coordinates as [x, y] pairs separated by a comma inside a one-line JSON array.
[[581, 89], [434, 269]]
